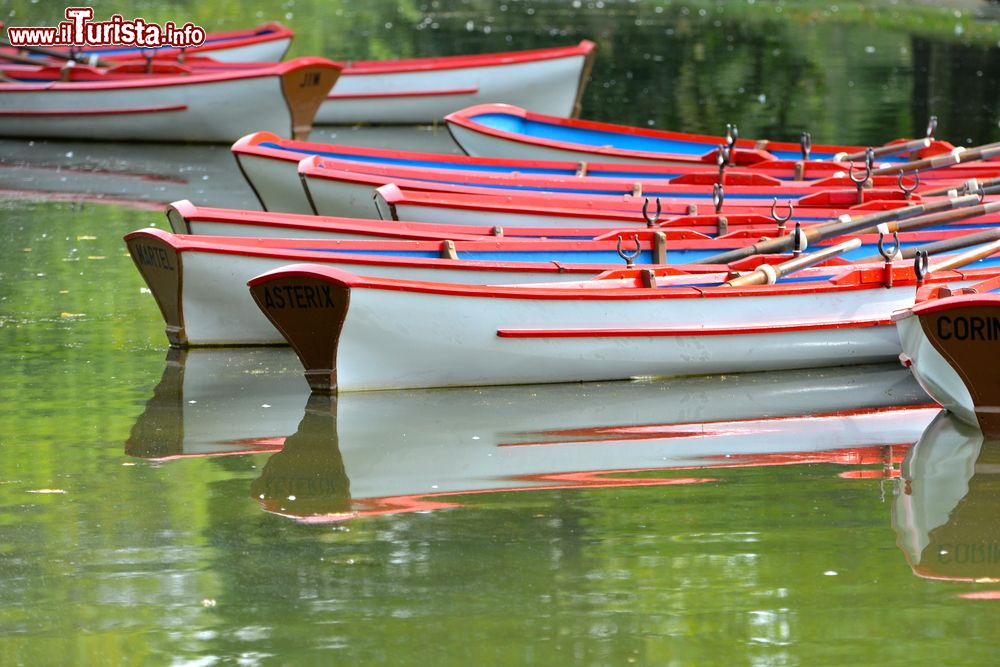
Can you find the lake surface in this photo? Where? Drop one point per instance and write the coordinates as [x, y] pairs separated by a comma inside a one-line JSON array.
[[197, 508]]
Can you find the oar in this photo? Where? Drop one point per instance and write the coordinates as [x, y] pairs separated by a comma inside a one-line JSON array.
[[947, 245], [767, 274], [55, 53], [986, 185], [889, 149], [934, 219], [864, 224], [957, 156], [967, 257], [24, 60]]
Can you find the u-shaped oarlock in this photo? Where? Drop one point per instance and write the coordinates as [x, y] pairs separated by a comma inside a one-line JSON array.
[[799, 242], [718, 197], [888, 256], [732, 134], [860, 183], [921, 265], [806, 141], [722, 159], [629, 257], [979, 192], [909, 190], [931, 127], [651, 220], [781, 220]]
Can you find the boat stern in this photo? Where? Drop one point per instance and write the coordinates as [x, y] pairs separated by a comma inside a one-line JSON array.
[[305, 83], [308, 305], [159, 262]]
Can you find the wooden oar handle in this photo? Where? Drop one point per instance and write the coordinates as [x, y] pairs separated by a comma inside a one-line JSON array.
[[767, 274], [967, 257]]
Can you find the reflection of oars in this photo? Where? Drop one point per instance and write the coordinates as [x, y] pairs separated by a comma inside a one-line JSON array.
[[957, 156], [767, 274], [865, 224]]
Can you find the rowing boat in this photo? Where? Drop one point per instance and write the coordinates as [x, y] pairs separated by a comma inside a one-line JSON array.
[[269, 164], [377, 333], [341, 187], [198, 281], [424, 90], [504, 130], [267, 43], [173, 103], [950, 340]]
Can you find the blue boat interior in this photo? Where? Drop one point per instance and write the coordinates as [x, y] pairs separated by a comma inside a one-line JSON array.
[[600, 138], [597, 257], [477, 168]]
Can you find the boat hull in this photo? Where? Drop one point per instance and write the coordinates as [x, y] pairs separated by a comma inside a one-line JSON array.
[[426, 90], [377, 334], [209, 107], [952, 345]]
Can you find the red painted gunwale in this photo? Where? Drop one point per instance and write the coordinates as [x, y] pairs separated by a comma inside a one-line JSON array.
[[450, 181], [440, 63], [476, 238], [94, 112], [825, 172], [464, 118], [252, 145], [865, 277], [227, 39], [127, 82], [404, 93]]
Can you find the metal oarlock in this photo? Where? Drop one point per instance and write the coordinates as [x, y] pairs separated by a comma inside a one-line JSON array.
[[806, 141], [781, 220], [931, 127], [722, 160], [860, 183], [629, 257], [718, 196], [798, 240], [651, 220], [888, 256], [921, 263], [732, 134], [909, 190]]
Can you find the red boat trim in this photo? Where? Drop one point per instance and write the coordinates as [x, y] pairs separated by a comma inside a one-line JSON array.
[[367, 67], [691, 331], [124, 83], [93, 112], [214, 41], [407, 93], [851, 280]]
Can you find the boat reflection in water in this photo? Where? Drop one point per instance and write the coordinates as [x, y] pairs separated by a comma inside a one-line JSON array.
[[219, 402], [384, 452], [947, 511]]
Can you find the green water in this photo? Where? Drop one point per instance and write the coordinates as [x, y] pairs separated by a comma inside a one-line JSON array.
[[201, 509]]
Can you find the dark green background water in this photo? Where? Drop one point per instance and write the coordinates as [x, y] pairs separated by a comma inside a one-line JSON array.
[[121, 545]]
